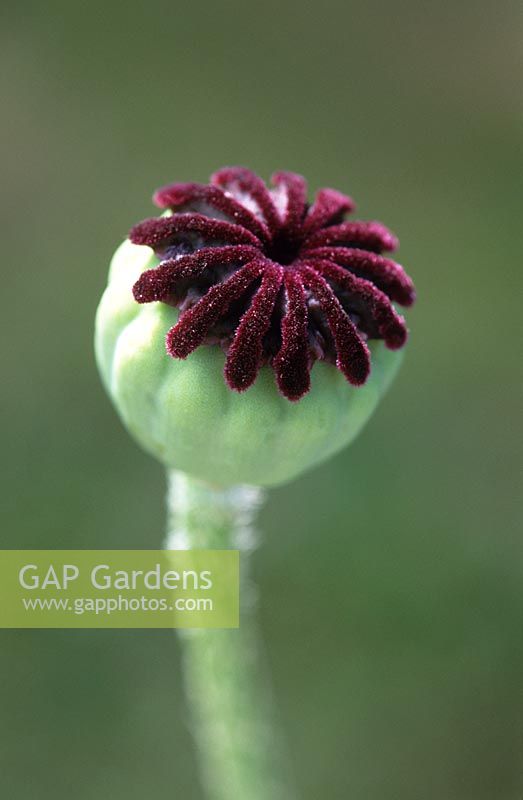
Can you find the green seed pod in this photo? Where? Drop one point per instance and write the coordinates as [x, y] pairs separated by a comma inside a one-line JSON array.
[[183, 413], [247, 335]]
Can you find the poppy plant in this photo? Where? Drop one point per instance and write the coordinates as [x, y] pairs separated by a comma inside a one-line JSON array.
[[295, 306]]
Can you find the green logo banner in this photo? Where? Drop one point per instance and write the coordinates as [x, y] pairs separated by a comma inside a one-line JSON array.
[[119, 589]]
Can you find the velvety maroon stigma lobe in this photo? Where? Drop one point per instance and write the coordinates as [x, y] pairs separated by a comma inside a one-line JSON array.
[[352, 354], [210, 201], [167, 281], [292, 363], [272, 279], [385, 273], [329, 207], [245, 355], [159, 233], [369, 235], [249, 190]]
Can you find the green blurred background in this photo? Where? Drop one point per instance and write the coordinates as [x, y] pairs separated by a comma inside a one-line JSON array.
[[391, 578]]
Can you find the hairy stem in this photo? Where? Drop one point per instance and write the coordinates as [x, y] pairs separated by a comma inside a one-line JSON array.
[[241, 754]]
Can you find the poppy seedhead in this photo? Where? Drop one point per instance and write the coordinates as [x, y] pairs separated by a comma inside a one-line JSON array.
[[271, 278]]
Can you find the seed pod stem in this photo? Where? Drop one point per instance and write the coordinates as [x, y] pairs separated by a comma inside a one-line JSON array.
[[233, 712]]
